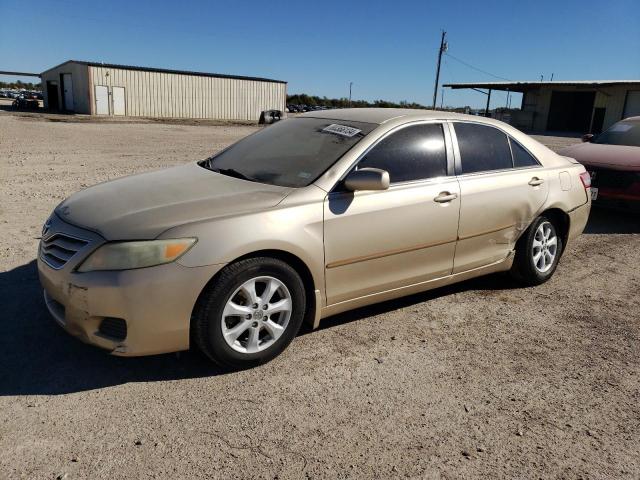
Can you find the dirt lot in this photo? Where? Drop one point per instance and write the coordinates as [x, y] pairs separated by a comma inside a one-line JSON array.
[[480, 380]]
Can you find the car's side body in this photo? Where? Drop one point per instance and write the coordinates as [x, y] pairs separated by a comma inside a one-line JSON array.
[[351, 248]]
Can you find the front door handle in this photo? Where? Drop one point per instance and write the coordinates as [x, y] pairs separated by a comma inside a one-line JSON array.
[[445, 197], [535, 181]]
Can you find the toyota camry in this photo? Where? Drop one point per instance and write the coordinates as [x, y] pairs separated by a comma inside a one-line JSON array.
[[306, 218]]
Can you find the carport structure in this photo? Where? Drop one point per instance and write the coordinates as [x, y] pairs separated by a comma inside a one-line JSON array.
[[567, 106]]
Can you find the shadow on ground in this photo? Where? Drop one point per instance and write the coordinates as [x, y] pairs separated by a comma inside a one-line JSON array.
[[7, 107], [604, 220], [39, 358]]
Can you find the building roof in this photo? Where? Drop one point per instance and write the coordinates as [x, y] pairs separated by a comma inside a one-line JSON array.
[[534, 85], [163, 70], [382, 115], [20, 74]]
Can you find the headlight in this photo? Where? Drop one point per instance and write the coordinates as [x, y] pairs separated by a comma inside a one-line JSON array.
[[128, 255]]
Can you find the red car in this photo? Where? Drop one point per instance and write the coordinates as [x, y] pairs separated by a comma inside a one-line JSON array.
[[613, 160]]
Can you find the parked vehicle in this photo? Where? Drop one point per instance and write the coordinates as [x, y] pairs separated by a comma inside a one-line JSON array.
[[306, 218], [613, 160], [268, 117], [25, 103]]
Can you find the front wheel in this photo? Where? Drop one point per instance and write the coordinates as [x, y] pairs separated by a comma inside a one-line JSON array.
[[537, 253], [251, 313]]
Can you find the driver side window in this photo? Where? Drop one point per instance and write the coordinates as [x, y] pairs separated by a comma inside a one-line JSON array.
[[412, 153]]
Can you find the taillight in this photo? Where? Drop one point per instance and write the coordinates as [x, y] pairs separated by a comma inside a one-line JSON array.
[[586, 179]]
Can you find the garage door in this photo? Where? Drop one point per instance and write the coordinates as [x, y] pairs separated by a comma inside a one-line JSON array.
[[102, 100], [632, 106]]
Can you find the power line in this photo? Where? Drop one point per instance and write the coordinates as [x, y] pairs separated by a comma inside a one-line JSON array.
[[475, 68], [450, 72]]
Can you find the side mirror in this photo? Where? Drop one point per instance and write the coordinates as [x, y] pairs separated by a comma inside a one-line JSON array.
[[587, 137], [367, 179]]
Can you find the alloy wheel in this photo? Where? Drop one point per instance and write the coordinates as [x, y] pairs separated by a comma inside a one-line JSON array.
[[545, 247], [256, 314]]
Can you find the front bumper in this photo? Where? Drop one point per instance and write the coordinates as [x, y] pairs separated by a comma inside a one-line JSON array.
[[156, 302], [619, 189]]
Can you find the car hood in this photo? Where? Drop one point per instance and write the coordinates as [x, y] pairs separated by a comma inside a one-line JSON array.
[[615, 157], [145, 205]]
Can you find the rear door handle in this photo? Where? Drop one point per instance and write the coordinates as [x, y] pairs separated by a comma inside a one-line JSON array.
[[445, 197], [535, 181]]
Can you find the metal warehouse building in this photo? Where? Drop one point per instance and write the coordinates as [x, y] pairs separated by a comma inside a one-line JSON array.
[[580, 106], [107, 89]]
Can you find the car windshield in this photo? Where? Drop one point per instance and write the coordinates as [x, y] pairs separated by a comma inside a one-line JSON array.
[[290, 153], [621, 133]]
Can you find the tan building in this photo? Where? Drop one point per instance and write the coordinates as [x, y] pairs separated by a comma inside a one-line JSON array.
[[581, 106], [107, 89]]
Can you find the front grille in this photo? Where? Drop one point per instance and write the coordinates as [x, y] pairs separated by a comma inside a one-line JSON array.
[[58, 249], [604, 178], [115, 328]]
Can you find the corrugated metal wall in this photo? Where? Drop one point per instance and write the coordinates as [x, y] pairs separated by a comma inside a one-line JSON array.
[[173, 95], [80, 80], [610, 97]]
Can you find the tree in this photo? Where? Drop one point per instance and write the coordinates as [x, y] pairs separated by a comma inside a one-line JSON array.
[[304, 99]]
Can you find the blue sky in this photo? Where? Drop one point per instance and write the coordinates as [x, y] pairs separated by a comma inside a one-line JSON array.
[[388, 49]]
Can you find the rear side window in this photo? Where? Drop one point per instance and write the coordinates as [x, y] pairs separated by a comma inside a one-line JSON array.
[[413, 153], [482, 148], [521, 158]]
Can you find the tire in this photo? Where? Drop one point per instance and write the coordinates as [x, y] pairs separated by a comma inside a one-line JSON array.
[[529, 266], [229, 323]]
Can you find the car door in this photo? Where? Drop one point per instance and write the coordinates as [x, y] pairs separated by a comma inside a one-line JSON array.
[[502, 187], [381, 240]]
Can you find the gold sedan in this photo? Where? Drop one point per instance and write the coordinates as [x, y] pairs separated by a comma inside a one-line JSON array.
[[309, 217]]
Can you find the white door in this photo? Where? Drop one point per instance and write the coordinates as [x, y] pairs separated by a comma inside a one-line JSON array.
[[102, 100], [68, 91], [632, 106], [118, 101]]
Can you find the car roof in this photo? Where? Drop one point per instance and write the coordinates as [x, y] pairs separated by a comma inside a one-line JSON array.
[[382, 115]]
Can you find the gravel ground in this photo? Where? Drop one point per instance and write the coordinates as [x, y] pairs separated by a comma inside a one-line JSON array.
[[481, 379]]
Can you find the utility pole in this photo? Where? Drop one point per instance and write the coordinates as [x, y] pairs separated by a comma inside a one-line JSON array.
[[350, 85], [486, 110], [443, 48]]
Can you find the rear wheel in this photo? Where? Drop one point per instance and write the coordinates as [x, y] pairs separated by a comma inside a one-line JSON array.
[[537, 253], [251, 313]]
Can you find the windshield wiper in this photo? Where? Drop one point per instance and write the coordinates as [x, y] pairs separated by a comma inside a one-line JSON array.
[[230, 172]]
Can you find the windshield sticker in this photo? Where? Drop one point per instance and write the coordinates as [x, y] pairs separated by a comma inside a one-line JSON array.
[[304, 175], [342, 130], [621, 127]]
